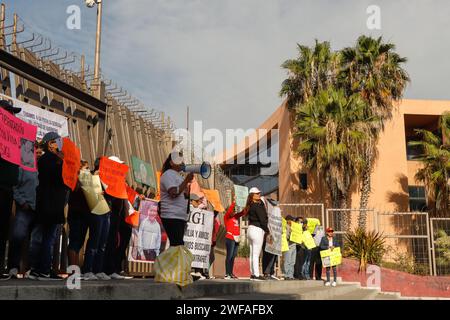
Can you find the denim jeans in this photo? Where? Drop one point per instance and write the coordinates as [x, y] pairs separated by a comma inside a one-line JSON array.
[[306, 265], [289, 261], [21, 231], [96, 245], [334, 273], [232, 250], [43, 239]]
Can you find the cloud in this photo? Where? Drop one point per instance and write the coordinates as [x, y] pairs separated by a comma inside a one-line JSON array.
[[223, 57]]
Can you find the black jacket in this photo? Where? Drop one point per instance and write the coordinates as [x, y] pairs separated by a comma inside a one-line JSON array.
[[51, 193], [257, 216], [324, 244]]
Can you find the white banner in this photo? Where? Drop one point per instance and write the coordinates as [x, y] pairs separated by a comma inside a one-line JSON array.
[[198, 235], [273, 244], [44, 120]]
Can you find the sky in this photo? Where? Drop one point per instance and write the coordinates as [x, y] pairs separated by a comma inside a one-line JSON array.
[[222, 58]]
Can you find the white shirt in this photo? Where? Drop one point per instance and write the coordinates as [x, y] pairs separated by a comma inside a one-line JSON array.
[[149, 236], [172, 208], [330, 242]]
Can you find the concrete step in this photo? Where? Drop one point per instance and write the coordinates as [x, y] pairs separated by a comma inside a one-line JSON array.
[[358, 294]]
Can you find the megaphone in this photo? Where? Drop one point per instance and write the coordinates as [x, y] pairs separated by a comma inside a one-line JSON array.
[[203, 169]]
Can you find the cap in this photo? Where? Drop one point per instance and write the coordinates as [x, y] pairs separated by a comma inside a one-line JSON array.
[[8, 106], [290, 218], [49, 136], [254, 190], [115, 159], [330, 230], [194, 197]]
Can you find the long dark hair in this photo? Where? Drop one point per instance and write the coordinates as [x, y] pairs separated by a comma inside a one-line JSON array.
[[167, 165]]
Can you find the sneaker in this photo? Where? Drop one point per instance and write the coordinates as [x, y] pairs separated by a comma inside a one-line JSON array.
[[116, 276], [4, 277], [89, 276], [49, 277], [275, 278], [255, 278], [266, 277], [13, 273], [333, 284], [32, 275], [234, 277], [327, 284], [102, 276], [227, 277]]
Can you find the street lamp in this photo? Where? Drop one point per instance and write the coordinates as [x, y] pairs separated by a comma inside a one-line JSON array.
[[90, 4]]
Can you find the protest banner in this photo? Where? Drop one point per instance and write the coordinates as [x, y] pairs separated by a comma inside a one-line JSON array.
[[274, 241], [143, 172], [311, 224], [92, 190], [71, 163], [214, 197], [197, 237], [148, 239], [320, 233], [158, 185], [113, 174], [308, 240], [284, 241], [17, 140], [331, 258], [296, 233], [131, 194], [241, 194], [44, 120]]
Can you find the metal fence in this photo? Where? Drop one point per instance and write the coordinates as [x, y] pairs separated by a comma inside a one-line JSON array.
[[440, 243], [306, 210]]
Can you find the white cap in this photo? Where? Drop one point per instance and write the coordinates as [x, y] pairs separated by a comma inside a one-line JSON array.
[[116, 159], [254, 190]]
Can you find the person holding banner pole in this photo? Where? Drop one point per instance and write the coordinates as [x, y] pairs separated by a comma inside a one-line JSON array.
[[257, 230], [8, 179], [174, 203], [330, 242]]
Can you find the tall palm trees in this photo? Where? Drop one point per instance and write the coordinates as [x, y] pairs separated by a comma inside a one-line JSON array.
[[435, 173], [371, 72]]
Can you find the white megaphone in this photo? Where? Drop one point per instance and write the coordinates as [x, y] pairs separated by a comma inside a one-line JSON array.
[[203, 169]]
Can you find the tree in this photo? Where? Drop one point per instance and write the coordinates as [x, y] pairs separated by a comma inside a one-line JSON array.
[[333, 131], [435, 173], [373, 70], [314, 69]]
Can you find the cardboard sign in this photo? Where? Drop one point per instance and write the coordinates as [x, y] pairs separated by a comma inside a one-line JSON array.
[[331, 258], [214, 197], [71, 163], [311, 224], [143, 172], [113, 174], [158, 186], [92, 190], [284, 241], [274, 241], [308, 240], [296, 233], [17, 140], [241, 194]]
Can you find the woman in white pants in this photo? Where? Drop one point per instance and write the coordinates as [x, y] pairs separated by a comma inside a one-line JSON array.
[[257, 230]]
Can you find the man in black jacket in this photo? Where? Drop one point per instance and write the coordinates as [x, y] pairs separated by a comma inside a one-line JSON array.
[[51, 198]]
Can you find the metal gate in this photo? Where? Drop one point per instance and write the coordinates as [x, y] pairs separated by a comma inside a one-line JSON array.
[[306, 210], [407, 240], [440, 244]]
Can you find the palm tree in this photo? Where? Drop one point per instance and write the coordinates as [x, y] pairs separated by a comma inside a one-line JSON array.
[[314, 69], [435, 173], [333, 130], [373, 70]]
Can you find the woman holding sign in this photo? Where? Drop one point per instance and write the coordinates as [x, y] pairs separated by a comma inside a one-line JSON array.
[[257, 230], [174, 199], [330, 242]]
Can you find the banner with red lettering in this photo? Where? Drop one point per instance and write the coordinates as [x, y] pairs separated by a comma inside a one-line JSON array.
[[17, 139]]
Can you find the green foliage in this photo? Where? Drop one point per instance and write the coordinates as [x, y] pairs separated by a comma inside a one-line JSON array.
[[404, 262], [442, 247], [367, 247], [243, 250]]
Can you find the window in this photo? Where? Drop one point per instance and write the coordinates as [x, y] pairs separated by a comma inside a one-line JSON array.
[[417, 198]]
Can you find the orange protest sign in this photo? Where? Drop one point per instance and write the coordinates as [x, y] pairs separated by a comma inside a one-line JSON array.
[[113, 175], [133, 219], [71, 163], [214, 197], [131, 194], [158, 181]]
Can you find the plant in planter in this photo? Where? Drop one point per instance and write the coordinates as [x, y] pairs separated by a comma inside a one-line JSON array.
[[367, 247], [243, 251]]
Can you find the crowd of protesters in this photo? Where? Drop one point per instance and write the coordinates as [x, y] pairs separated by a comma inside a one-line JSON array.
[[41, 197]]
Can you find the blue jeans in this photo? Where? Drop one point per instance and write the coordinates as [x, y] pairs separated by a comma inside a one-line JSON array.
[[306, 265], [289, 261], [334, 273], [43, 239], [98, 237], [232, 249], [21, 231]]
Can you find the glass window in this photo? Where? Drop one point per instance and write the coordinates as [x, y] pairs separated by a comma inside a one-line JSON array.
[[417, 198]]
